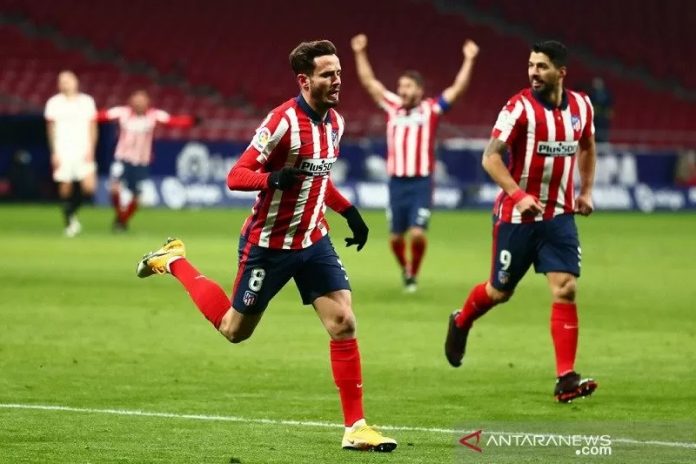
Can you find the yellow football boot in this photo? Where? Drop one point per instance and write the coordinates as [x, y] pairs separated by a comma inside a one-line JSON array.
[[365, 438], [156, 262]]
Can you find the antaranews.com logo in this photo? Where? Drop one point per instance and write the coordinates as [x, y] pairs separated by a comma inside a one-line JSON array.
[[578, 444]]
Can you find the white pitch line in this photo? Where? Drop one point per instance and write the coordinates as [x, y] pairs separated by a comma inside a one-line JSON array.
[[251, 420]]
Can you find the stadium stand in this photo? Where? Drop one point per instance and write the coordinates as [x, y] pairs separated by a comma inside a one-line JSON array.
[[238, 51]]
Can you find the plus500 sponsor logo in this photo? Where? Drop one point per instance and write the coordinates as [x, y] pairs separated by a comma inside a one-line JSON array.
[[557, 148], [317, 167]]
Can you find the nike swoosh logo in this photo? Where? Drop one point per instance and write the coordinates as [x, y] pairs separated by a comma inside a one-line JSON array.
[[568, 327], [359, 385]]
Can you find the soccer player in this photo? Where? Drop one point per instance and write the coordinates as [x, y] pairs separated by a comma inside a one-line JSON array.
[[72, 137], [547, 129], [289, 160], [133, 155], [412, 121]]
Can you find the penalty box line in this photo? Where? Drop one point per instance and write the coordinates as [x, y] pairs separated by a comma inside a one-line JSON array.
[[319, 424]]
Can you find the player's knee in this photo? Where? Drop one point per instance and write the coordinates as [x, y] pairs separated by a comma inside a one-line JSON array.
[[232, 331], [565, 289], [417, 233], [498, 296], [342, 325]]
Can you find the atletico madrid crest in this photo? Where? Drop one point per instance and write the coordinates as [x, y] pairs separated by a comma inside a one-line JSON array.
[[576, 123], [249, 298]]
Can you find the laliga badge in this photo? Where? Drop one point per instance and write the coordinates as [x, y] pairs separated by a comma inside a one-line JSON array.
[[261, 139]]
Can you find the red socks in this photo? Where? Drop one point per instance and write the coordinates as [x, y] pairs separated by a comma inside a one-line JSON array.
[[345, 365], [123, 215], [126, 214], [206, 294], [476, 305], [418, 245], [398, 246], [564, 331]]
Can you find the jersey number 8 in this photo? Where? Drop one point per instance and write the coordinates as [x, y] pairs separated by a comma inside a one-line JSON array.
[[256, 279]]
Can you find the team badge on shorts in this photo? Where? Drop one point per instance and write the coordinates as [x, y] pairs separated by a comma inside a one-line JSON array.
[[249, 298], [503, 277]]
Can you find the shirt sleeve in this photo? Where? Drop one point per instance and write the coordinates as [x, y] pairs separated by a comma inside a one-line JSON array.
[[589, 129], [440, 106], [162, 116], [50, 110], [245, 174], [91, 108], [334, 199], [510, 121], [112, 113], [268, 135], [390, 100]]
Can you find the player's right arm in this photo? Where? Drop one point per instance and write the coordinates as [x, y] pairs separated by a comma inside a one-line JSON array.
[[367, 77], [111, 114], [253, 170], [509, 124]]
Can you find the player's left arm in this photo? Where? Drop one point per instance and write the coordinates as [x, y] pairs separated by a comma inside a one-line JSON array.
[[587, 157], [461, 82], [337, 202], [181, 121]]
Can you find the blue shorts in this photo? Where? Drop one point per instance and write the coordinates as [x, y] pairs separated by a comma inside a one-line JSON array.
[[262, 272], [131, 175], [410, 199], [552, 246]]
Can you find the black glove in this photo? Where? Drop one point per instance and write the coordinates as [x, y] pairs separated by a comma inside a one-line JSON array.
[[357, 226], [284, 178]]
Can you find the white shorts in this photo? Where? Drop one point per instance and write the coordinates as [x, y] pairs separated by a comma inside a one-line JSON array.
[[73, 169]]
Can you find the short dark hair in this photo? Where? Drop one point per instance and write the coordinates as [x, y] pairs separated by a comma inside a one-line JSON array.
[[302, 56], [415, 76], [555, 50]]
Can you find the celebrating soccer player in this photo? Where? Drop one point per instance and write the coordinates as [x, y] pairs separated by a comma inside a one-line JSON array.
[[412, 121], [289, 160], [546, 129], [72, 137], [133, 154]]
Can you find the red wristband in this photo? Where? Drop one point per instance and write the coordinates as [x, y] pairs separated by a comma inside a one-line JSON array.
[[518, 195]]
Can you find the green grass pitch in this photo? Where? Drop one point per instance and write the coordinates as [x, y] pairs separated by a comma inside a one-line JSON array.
[[79, 330]]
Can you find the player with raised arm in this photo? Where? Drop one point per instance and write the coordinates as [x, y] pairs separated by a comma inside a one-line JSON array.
[[71, 127], [546, 129], [289, 160], [133, 155], [412, 122]]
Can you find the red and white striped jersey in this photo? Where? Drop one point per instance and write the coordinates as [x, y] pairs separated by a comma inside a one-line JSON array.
[[411, 135], [292, 135], [136, 132], [542, 142]]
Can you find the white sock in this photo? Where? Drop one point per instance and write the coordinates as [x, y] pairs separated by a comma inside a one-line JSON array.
[[171, 261], [357, 424]]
